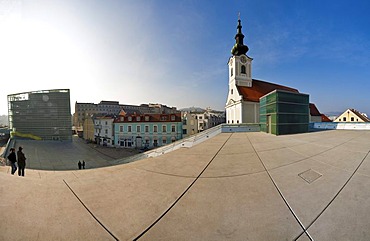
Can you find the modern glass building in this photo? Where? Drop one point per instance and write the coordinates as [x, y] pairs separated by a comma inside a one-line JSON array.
[[41, 115], [283, 112]]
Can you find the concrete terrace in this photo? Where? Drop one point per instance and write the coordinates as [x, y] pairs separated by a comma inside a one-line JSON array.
[[235, 186]]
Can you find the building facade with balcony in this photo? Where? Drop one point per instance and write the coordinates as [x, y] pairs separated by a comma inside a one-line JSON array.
[[147, 130]]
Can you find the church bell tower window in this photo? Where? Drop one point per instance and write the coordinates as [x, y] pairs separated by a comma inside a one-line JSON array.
[[242, 69]]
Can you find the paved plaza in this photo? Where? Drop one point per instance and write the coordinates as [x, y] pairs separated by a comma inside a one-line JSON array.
[[61, 156], [235, 186]]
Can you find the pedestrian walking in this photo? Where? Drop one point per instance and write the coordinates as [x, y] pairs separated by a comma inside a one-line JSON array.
[[83, 164], [79, 164], [13, 159], [21, 161]]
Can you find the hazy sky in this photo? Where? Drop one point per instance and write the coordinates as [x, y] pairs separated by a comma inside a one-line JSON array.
[[176, 52]]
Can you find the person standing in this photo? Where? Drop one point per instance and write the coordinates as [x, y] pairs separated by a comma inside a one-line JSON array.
[[21, 162], [83, 164], [13, 159], [79, 165]]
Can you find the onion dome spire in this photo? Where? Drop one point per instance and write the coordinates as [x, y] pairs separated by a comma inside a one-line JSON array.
[[239, 48]]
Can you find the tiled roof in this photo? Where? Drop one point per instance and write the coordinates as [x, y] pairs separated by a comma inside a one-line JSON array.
[[313, 110], [175, 117], [260, 88], [324, 118], [360, 115]]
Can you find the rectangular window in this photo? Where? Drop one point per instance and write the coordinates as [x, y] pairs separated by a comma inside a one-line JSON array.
[[121, 129], [129, 118], [344, 119], [146, 129], [173, 128], [137, 118], [184, 121], [129, 128], [172, 117], [184, 131], [164, 141], [155, 128], [164, 129], [106, 131], [352, 119], [138, 129]]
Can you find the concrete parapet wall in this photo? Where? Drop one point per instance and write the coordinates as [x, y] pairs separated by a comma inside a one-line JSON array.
[[340, 126], [227, 128]]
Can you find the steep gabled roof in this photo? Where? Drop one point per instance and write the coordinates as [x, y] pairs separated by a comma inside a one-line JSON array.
[[260, 88], [313, 110], [360, 115]]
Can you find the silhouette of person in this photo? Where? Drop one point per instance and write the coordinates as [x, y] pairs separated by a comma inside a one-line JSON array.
[[21, 161], [79, 164], [83, 164], [13, 159]]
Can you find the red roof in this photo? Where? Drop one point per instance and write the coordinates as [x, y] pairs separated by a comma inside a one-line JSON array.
[[324, 118], [174, 117], [314, 111], [260, 88]]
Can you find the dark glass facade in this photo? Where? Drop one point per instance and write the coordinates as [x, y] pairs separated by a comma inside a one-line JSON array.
[[283, 112], [41, 115]]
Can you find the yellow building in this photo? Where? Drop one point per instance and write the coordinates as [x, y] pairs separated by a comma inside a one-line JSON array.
[[352, 115]]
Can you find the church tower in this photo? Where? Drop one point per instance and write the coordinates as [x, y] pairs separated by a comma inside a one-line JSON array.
[[240, 75], [240, 65]]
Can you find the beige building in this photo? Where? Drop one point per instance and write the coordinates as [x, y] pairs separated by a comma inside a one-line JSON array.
[[352, 115], [189, 124], [88, 127]]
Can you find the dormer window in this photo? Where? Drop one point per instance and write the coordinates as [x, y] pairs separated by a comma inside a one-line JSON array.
[[146, 118], [137, 118], [242, 70], [172, 117], [129, 118]]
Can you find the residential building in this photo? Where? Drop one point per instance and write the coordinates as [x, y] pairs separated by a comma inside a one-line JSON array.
[[315, 115], [41, 115], [89, 128], [104, 130], [196, 120], [83, 110], [189, 124], [352, 115], [147, 130]]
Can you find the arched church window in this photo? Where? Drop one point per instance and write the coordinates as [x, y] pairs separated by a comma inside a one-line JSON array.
[[242, 69], [232, 91], [232, 72]]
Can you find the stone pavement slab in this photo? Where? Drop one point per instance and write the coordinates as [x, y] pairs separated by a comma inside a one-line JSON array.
[[240, 186]]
